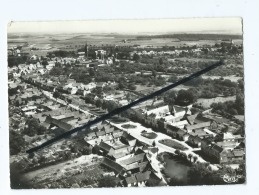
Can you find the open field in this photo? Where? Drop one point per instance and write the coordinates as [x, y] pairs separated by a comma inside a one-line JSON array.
[[67, 40], [232, 78], [207, 102]]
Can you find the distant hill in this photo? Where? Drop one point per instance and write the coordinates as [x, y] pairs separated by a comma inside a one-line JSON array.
[[192, 37]]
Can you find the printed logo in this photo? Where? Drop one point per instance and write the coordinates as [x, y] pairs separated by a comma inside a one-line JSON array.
[[231, 178]]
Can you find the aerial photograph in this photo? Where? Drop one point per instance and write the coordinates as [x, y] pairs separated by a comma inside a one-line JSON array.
[[126, 103]]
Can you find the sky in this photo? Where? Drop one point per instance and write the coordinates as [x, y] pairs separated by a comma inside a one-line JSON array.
[[155, 26]]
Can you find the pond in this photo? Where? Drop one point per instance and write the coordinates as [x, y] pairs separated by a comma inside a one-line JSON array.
[[176, 168]]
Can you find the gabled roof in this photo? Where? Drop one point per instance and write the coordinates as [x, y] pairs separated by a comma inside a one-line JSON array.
[[117, 133], [106, 147], [128, 136], [109, 129], [172, 128], [191, 119], [131, 179], [143, 176], [136, 158], [238, 153], [197, 126], [118, 155], [178, 108], [91, 134], [113, 165], [181, 132], [198, 132], [216, 148], [195, 139], [100, 133]]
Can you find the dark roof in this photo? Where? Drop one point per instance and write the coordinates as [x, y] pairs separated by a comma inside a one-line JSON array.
[[128, 136], [172, 128], [216, 148], [179, 108], [62, 125], [105, 146], [113, 165], [58, 123]]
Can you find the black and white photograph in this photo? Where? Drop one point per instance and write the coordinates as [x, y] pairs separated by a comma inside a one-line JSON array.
[[126, 103]]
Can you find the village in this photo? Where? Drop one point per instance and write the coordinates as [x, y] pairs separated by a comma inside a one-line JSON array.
[[50, 95]]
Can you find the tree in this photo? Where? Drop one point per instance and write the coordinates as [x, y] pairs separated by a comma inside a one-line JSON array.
[[154, 73], [98, 103], [190, 156], [195, 158], [185, 97], [199, 174], [17, 142], [136, 57], [173, 79], [132, 87], [33, 127], [174, 181], [56, 94], [177, 152], [161, 61]]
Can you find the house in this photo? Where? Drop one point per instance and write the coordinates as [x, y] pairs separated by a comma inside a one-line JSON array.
[[189, 128], [114, 148], [171, 130], [135, 159], [200, 133], [180, 124], [182, 135], [131, 181], [230, 137], [194, 141], [105, 148], [116, 167], [128, 139], [212, 150], [191, 118], [142, 178], [228, 144]]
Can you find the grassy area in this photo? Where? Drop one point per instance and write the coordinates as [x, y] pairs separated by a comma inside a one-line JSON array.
[[172, 144], [151, 135]]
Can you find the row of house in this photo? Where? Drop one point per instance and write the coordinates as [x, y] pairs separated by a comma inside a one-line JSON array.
[[124, 155]]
